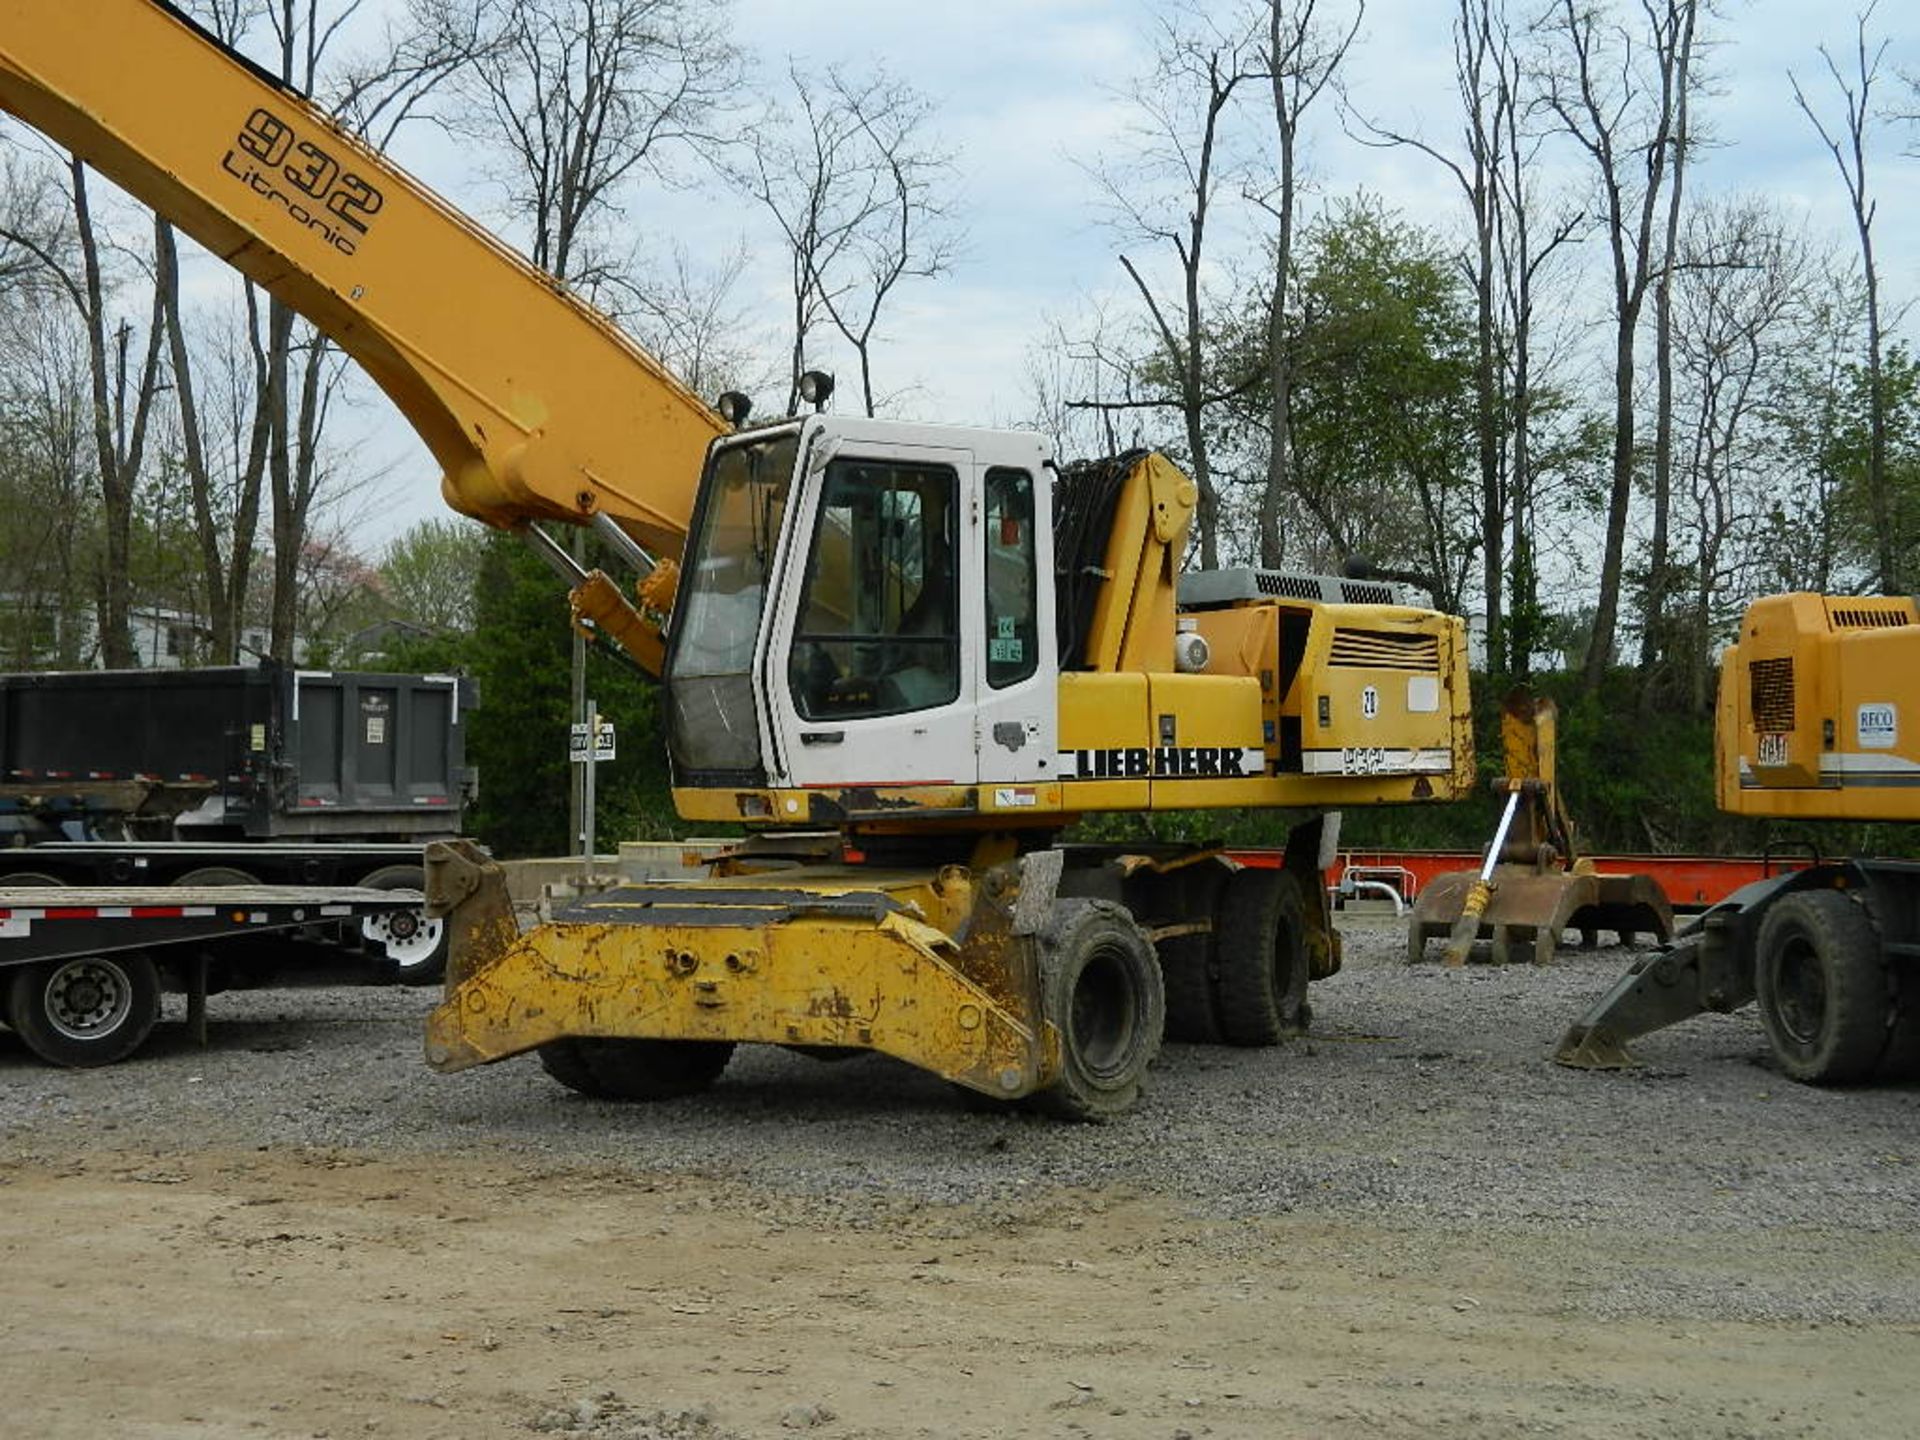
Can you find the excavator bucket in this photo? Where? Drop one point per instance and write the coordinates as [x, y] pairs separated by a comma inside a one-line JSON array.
[[1531, 888], [1527, 910]]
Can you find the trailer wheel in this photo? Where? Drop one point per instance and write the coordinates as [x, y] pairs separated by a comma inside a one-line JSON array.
[[1260, 932], [1822, 987], [1100, 985], [612, 1069], [216, 877], [85, 1010], [415, 942]]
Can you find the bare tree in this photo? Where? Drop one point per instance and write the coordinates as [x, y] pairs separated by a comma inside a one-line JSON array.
[[1165, 197], [1486, 73], [1620, 106], [856, 187], [1081, 381], [224, 534], [585, 96], [911, 232], [297, 370], [685, 312], [1848, 146], [1741, 299], [1681, 143], [1303, 55]]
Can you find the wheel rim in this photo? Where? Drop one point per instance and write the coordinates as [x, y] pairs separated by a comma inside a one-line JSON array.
[[1800, 991], [88, 998], [409, 937], [1101, 1019]]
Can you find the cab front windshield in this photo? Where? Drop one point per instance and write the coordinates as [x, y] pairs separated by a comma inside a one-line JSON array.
[[722, 598]]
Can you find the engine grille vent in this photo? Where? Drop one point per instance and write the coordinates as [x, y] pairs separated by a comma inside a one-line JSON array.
[[1866, 615], [1289, 587], [1771, 695], [1384, 650], [1361, 592]]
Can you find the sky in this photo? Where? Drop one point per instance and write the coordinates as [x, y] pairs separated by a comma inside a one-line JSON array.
[[1028, 92]]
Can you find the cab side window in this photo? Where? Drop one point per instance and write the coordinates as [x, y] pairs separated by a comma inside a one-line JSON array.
[[1013, 650], [879, 631]]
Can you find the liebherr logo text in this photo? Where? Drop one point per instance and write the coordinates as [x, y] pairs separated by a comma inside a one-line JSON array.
[[1162, 762], [336, 205]]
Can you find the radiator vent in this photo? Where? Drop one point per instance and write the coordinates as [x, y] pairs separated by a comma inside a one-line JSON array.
[[1384, 650], [1289, 587], [1363, 592], [1868, 615], [1771, 695]]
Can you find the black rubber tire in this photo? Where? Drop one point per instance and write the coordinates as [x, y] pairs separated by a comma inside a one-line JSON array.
[[1187, 961], [1100, 986], [413, 943], [216, 875], [1822, 987], [1901, 1059], [615, 1069], [1261, 957], [85, 1010]]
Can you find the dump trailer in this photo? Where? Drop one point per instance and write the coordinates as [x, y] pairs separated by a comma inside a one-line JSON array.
[[232, 753], [238, 776], [82, 969], [931, 640], [1818, 718]]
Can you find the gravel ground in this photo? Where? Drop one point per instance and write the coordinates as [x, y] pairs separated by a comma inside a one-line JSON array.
[[1422, 1093], [1409, 1223]]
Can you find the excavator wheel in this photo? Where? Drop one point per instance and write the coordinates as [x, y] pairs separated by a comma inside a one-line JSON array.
[[1822, 987], [1187, 962], [1100, 985], [1261, 955], [1902, 1058], [611, 1069]]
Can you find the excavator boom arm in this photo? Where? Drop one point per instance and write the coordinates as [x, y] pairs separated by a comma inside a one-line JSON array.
[[535, 406]]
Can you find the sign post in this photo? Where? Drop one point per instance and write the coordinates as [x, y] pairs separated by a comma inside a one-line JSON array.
[[589, 742]]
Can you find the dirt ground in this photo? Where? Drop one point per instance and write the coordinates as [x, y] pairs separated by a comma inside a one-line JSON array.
[[325, 1294]]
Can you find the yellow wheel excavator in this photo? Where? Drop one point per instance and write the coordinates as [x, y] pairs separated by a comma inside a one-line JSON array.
[[928, 641], [1818, 719]]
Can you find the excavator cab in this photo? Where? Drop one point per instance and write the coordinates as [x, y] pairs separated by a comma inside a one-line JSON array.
[[859, 603]]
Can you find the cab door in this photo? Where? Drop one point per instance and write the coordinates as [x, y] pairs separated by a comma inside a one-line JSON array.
[[871, 677], [1018, 705]]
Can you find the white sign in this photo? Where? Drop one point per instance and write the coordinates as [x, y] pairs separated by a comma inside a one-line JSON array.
[[1773, 749], [1369, 702], [1879, 726], [577, 743]]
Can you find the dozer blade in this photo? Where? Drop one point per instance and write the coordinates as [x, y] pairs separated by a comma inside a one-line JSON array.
[[808, 958], [1525, 907]]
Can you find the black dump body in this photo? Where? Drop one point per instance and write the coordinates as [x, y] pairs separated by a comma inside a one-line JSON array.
[[232, 753]]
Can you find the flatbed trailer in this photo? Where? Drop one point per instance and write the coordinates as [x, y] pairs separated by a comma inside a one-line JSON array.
[[407, 945], [82, 969]]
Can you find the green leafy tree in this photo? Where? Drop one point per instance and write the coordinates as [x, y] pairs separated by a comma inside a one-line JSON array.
[[519, 656], [427, 574], [1381, 413]]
